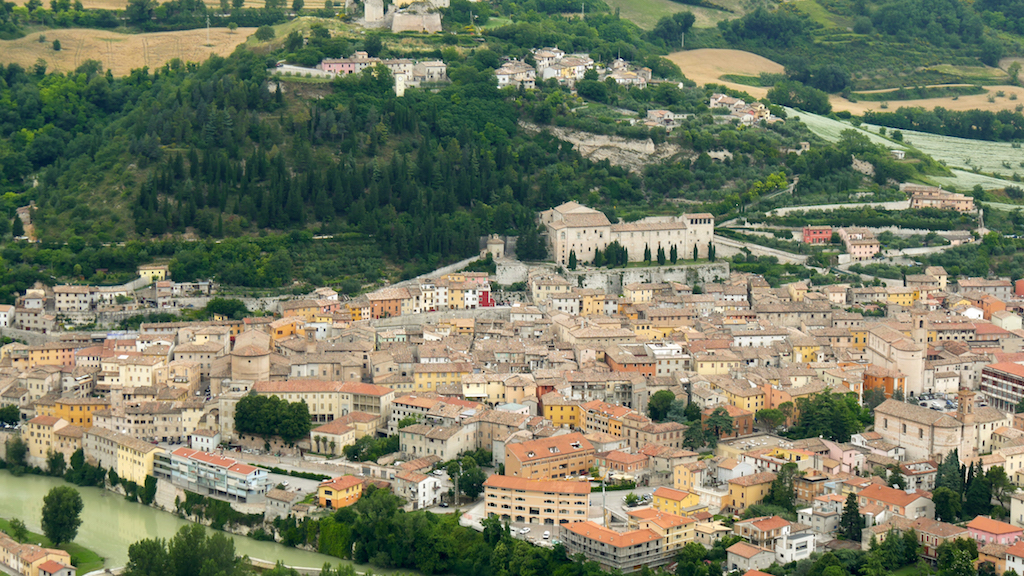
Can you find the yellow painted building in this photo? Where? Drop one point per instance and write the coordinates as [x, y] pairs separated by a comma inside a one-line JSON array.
[[135, 459], [673, 501], [720, 363], [903, 296], [39, 436], [561, 411], [686, 477], [592, 302], [77, 411], [154, 272], [427, 377], [675, 530], [860, 337], [806, 352], [638, 293], [339, 492], [746, 491], [749, 399]]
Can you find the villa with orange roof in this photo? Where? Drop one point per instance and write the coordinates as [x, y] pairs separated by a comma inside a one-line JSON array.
[[988, 531], [626, 551], [672, 501], [339, 492], [212, 475], [676, 530]]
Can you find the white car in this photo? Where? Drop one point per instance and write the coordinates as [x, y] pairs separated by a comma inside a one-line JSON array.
[[524, 530], [547, 534]]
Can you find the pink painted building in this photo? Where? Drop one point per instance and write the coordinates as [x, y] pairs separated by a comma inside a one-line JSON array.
[[988, 531], [817, 234]]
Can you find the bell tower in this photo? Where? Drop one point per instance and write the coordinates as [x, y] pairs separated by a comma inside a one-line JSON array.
[[965, 409]]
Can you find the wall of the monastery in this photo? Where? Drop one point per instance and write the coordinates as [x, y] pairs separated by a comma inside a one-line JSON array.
[[611, 281], [26, 336]]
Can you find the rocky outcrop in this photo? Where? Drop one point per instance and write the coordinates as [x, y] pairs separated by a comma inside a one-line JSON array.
[[625, 152]]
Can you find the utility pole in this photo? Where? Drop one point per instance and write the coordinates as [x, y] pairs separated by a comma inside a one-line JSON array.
[[457, 486], [207, 29], [682, 39], [583, 10]]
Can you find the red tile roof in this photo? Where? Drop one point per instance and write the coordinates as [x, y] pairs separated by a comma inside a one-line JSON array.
[[559, 486], [985, 524]]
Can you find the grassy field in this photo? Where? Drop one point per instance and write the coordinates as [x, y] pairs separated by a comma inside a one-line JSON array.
[[86, 559], [121, 53], [646, 13]]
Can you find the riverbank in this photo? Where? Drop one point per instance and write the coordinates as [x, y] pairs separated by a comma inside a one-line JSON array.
[[84, 559], [110, 524]]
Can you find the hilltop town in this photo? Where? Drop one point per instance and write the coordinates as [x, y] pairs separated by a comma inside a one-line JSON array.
[[718, 405]]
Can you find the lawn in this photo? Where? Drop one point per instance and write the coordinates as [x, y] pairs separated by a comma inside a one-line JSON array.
[[85, 560]]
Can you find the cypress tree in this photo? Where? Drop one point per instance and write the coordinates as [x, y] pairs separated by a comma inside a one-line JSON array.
[[572, 259], [850, 524], [647, 254]]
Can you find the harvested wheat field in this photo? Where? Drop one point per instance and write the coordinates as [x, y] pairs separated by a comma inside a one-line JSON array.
[[973, 102], [707, 65], [120, 52], [122, 4]]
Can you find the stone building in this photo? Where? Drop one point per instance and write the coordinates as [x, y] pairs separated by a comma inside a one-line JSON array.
[[572, 227]]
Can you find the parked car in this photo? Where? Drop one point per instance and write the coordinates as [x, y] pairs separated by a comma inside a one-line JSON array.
[[524, 530], [547, 534]]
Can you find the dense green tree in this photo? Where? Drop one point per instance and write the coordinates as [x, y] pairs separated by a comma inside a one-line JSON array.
[[772, 418], [572, 259], [782, 492], [270, 416], [17, 452], [10, 414], [717, 425], [851, 523], [659, 405], [17, 228], [647, 253], [978, 498], [661, 256], [62, 507], [947, 504], [1001, 485], [895, 478], [55, 465]]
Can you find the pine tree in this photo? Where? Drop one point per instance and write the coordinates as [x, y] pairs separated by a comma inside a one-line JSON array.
[[17, 228], [850, 524], [647, 254], [572, 259]]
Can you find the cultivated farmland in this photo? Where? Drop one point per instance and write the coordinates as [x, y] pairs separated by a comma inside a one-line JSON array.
[[989, 157], [121, 53], [707, 65]]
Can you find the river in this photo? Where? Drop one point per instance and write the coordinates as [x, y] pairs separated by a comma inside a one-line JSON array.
[[110, 523]]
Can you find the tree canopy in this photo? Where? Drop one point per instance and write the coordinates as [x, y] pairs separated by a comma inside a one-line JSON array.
[[62, 508]]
